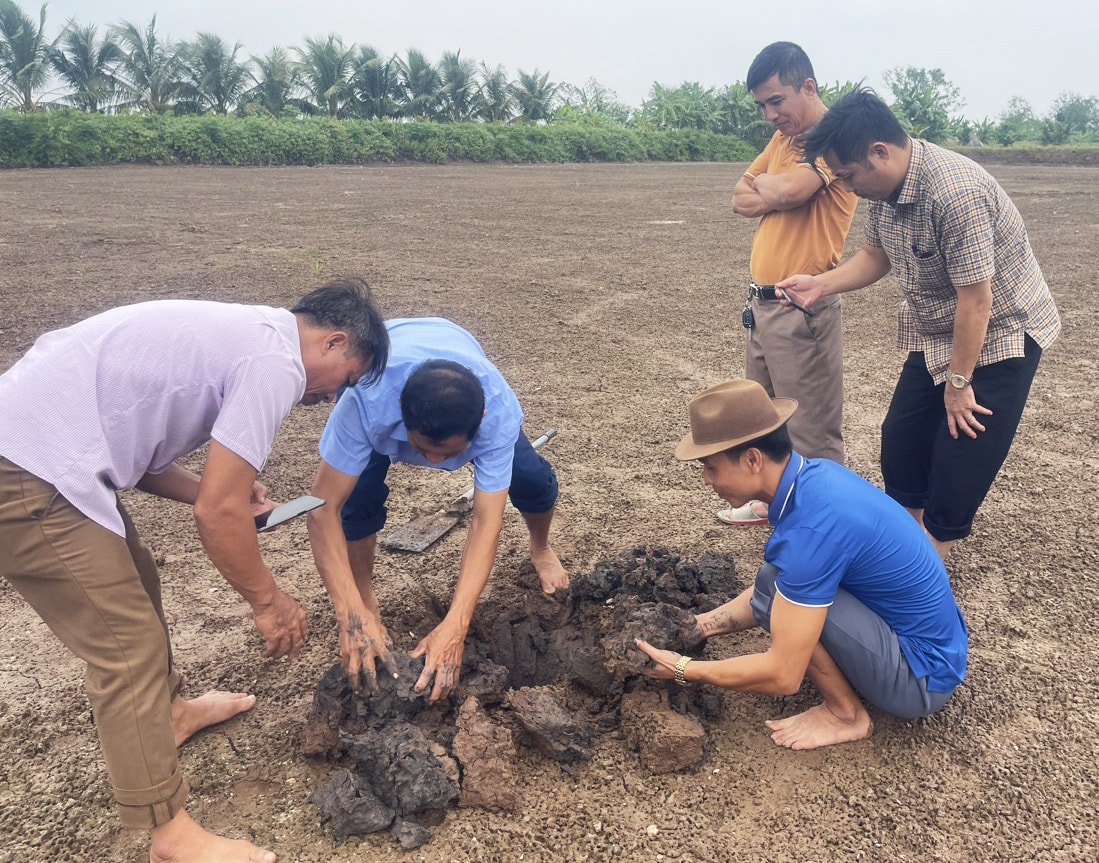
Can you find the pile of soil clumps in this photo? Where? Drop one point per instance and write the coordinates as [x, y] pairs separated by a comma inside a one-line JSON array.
[[551, 675]]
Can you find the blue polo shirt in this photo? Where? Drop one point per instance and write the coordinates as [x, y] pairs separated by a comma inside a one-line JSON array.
[[834, 529], [367, 419]]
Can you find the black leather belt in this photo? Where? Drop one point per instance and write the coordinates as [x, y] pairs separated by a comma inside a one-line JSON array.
[[761, 292]]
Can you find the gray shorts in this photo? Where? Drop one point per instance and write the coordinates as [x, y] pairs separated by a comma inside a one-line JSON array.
[[866, 650]]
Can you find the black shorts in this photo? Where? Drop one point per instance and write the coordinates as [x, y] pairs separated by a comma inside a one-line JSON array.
[[924, 467]]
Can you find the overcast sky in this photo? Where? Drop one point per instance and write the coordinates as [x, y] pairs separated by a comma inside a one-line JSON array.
[[990, 49]]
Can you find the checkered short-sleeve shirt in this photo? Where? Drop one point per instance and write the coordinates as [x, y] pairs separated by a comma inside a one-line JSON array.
[[952, 225]]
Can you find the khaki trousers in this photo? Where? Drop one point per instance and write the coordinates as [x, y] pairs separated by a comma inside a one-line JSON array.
[[800, 357], [100, 594]]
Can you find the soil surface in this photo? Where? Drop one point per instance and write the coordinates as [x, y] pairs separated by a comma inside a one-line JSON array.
[[608, 295]]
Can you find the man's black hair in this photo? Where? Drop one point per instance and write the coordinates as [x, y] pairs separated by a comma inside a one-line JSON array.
[[784, 59], [775, 445], [346, 304], [442, 398], [851, 127]]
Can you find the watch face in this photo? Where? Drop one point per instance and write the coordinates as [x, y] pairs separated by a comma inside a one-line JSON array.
[[958, 382]]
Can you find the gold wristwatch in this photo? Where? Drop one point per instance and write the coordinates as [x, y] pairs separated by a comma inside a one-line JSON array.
[[959, 382]]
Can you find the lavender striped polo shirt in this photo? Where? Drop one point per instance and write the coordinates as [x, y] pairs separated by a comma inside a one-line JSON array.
[[93, 407]]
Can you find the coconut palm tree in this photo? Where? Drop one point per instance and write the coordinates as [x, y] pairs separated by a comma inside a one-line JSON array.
[[534, 95], [458, 94], [420, 85], [375, 84], [275, 80], [493, 101], [24, 56], [214, 81], [325, 67], [151, 70], [87, 67]]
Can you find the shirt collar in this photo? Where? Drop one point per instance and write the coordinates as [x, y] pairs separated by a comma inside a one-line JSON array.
[[779, 504], [908, 193]]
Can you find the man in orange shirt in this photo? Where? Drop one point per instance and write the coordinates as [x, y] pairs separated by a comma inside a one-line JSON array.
[[804, 216]]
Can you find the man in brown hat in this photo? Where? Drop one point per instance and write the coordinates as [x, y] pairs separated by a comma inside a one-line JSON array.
[[851, 590]]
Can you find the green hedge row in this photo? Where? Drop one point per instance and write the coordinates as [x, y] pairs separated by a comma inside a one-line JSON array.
[[65, 138]]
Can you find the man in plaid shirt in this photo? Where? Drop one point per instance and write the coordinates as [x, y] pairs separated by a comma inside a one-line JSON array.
[[976, 316]]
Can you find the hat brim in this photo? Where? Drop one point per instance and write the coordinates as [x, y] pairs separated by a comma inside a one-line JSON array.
[[688, 450]]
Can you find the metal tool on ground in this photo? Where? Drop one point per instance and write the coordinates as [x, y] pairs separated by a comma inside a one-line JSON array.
[[422, 531]]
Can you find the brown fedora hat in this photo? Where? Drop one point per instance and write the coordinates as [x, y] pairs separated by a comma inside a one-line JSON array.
[[729, 415]]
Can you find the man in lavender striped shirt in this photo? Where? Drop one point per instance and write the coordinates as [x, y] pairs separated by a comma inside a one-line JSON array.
[[130, 391]]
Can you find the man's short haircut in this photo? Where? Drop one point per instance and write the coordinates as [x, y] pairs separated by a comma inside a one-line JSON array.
[[442, 398], [347, 304], [851, 126], [776, 445], [784, 59]]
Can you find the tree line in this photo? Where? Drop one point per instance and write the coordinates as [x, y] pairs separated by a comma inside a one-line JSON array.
[[132, 69]]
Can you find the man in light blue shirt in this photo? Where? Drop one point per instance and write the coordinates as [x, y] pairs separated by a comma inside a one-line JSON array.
[[440, 404]]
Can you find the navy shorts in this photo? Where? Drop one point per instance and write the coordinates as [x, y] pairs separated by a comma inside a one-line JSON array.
[[533, 490], [866, 650], [924, 467]]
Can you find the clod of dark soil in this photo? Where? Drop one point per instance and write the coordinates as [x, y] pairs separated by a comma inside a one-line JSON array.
[[554, 731], [351, 807], [558, 673]]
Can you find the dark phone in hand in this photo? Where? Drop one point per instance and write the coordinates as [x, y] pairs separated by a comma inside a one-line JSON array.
[[796, 304]]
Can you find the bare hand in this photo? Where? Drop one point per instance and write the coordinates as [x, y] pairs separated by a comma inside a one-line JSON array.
[[282, 624], [803, 290], [664, 661], [442, 648], [259, 501], [364, 642], [962, 410]]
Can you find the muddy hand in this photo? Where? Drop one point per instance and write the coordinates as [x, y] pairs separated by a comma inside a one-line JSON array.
[[442, 650], [364, 642], [282, 624], [663, 667]]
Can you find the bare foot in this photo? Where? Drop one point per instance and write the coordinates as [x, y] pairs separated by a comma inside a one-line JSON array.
[[189, 716], [818, 726], [551, 573], [182, 839]]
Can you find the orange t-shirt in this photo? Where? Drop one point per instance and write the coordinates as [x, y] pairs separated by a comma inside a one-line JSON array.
[[808, 239]]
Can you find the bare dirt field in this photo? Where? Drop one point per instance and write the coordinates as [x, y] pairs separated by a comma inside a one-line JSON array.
[[608, 295]]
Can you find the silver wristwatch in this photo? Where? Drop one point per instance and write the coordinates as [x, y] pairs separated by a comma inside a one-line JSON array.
[[959, 382]]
